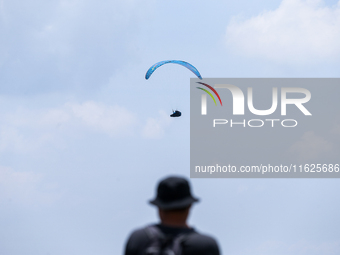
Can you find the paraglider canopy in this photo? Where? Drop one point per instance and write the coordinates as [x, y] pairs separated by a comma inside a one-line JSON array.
[[180, 62], [176, 114]]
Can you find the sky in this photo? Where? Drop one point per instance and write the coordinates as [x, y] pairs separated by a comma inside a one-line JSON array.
[[84, 138]]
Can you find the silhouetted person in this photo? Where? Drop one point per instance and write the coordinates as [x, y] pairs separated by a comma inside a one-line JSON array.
[[172, 235], [176, 114]]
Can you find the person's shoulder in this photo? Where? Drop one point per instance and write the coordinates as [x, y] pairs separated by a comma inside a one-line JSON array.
[[202, 239], [138, 239], [200, 236], [138, 232], [198, 243]]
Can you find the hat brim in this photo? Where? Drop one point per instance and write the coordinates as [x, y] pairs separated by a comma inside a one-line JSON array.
[[179, 204]]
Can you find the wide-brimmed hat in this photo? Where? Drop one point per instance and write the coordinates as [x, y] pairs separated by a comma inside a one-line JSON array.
[[173, 193]]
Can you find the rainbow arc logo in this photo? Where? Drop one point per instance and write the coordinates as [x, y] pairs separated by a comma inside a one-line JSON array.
[[212, 89]]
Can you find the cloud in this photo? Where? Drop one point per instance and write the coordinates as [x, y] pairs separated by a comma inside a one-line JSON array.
[[310, 146], [69, 45], [25, 188], [298, 31], [155, 127], [27, 130], [112, 120]]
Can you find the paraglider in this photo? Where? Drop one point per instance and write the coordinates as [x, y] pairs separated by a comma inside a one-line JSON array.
[[175, 113], [180, 62], [183, 63]]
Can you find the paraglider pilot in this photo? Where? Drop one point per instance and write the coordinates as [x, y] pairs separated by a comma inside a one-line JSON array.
[[176, 114]]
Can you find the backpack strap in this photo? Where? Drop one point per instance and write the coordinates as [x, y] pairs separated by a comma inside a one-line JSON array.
[[153, 232], [178, 241], [156, 237], [159, 241]]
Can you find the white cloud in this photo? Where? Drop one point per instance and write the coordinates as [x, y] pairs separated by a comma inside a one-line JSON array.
[[29, 129], [70, 44], [24, 188], [298, 31], [155, 127], [113, 120], [310, 146]]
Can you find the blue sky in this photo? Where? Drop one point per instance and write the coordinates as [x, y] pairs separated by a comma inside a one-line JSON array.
[[84, 138]]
